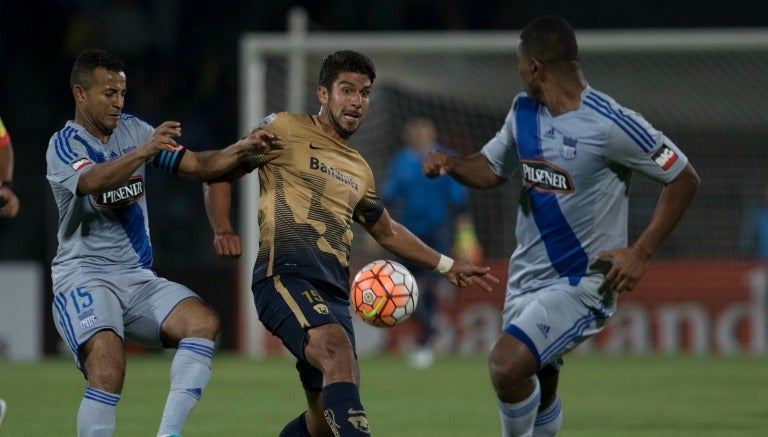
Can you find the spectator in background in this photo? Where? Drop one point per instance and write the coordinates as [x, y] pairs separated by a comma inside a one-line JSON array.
[[753, 238], [9, 203], [435, 210]]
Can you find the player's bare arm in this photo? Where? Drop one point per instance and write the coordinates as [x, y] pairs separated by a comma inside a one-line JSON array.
[[397, 239], [629, 263], [111, 174], [210, 164], [218, 203], [472, 170]]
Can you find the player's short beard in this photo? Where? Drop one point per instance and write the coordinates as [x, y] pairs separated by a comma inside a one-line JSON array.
[[344, 133]]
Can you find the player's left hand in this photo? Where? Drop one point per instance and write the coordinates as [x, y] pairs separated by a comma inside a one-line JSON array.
[[463, 274], [628, 267]]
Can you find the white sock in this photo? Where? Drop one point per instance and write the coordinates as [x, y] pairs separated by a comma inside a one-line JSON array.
[[517, 418], [96, 417], [548, 421], [190, 372]]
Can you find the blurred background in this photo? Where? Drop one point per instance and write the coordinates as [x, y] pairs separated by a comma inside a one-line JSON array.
[[183, 63]]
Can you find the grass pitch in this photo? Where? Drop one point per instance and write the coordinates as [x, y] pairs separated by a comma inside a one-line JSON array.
[[602, 396]]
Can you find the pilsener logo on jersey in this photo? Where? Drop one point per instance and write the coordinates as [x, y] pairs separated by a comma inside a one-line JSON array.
[[546, 177], [128, 193]]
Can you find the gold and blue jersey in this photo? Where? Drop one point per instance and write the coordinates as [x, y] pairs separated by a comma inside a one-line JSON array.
[[310, 193]]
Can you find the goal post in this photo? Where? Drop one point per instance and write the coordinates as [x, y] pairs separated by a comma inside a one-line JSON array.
[[703, 87]]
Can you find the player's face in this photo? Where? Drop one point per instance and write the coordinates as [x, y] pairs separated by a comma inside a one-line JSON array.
[[103, 103], [345, 105]]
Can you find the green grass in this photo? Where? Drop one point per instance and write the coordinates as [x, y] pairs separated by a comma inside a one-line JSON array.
[[602, 396]]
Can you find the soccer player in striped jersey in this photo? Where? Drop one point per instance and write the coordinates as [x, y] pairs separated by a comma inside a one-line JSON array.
[[575, 149], [311, 192], [103, 285]]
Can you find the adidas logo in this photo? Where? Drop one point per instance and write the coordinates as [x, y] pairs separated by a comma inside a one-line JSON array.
[[550, 133], [196, 392], [543, 328]]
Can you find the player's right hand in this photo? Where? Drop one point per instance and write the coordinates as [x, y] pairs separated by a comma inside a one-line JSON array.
[[435, 164], [227, 245], [163, 138]]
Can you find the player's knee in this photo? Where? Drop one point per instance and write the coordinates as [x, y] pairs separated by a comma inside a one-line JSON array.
[[330, 350], [107, 378], [206, 325], [506, 372]]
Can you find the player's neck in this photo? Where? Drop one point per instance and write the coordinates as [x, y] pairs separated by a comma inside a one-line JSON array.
[[91, 128], [564, 94]]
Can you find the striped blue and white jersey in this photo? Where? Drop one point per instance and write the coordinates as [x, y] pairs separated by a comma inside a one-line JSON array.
[[108, 231], [576, 170]]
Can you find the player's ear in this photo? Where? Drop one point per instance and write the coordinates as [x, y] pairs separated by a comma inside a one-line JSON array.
[[537, 67], [322, 94], [79, 93]]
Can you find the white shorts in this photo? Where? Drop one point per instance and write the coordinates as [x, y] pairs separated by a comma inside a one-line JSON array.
[[553, 320], [132, 303]]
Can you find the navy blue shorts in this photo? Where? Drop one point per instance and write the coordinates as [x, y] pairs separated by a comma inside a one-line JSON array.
[[290, 305]]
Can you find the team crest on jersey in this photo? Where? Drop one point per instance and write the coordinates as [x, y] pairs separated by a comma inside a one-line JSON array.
[[568, 148], [664, 157], [87, 318], [544, 176], [131, 191], [80, 163]]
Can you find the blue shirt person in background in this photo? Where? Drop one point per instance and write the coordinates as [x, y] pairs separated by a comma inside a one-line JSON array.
[[433, 209], [753, 238]]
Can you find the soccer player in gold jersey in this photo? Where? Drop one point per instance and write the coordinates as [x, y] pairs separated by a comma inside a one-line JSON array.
[[311, 192]]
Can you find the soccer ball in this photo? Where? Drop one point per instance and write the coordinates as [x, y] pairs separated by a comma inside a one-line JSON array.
[[384, 293]]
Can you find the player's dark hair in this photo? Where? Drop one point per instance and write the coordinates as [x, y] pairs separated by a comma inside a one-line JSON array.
[[88, 61], [550, 39], [345, 61]]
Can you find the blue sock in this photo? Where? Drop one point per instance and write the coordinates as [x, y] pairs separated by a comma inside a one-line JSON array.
[[343, 410], [96, 417], [190, 372], [549, 420], [518, 418]]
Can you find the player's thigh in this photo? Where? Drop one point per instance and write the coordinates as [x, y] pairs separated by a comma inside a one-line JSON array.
[[290, 306], [83, 306], [555, 319], [150, 305]]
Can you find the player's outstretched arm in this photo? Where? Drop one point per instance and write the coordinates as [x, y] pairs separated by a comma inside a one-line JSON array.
[[217, 194], [207, 165], [111, 174], [397, 239], [472, 171]]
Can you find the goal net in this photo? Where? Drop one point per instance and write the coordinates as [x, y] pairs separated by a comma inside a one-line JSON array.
[[703, 88]]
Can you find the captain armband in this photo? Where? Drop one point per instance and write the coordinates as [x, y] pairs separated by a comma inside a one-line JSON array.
[[169, 160]]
